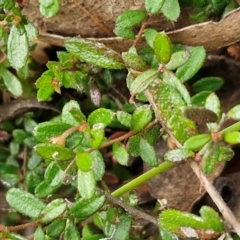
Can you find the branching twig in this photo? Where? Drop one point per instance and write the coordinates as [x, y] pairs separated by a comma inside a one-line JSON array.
[[217, 199], [140, 33], [132, 210], [125, 136], [19, 227]]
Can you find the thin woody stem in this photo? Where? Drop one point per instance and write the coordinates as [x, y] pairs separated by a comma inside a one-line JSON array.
[[18, 227], [139, 36], [222, 206]]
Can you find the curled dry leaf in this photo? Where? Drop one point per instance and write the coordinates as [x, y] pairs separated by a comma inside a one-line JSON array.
[[207, 34]]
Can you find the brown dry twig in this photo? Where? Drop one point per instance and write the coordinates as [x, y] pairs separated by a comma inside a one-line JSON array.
[[16, 107], [223, 208], [133, 211]]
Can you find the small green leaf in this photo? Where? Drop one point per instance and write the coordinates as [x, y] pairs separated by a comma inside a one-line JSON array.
[[72, 114], [207, 84], [124, 32], [98, 166], [177, 155], [56, 68], [5, 168], [177, 60], [95, 53], [71, 231], [150, 35], [53, 210], [132, 198], [165, 96], [120, 153], [24, 202], [86, 231], [232, 137], [66, 79], [234, 112], [53, 174], [14, 236], [17, 47], [12, 83], [53, 180], [124, 118], [141, 117], [10, 180], [108, 77], [209, 220], [8, 4], [46, 130], [126, 21], [171, 9], [210, 158], [86, 184], [97, 134], [84, 208], [102, 115], [133, 61], [39, 234], [173, 81], [94, 237], [153, 6], [32, 179], [199, 99], [196, 142], [200, 16], [168, 221], [130, 18], [111, 215], [213, 103], [45, 87], [44, 189], [56, 228], [225, 154], [191, 67], [218, 6], [123, 227], [147, 153], [162, 48], [167, 235], [46, 3], [14, 148], [133, 145], [29, 124], [31, 31], [152, 134], [51, 10], [99, 219], [142, 81], [54, 152], [84, 161]]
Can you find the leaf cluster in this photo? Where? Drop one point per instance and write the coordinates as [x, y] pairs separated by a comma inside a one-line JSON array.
[[69, 149]]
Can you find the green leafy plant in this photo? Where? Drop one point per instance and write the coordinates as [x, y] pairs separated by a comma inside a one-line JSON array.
[[67, 151], [205, 9]]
